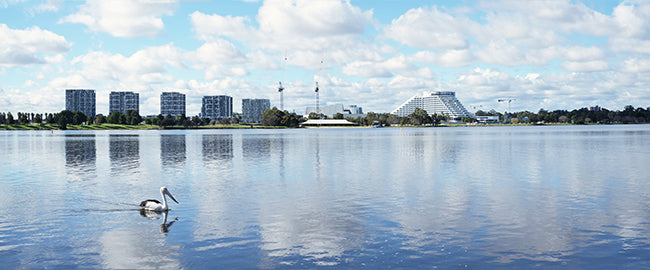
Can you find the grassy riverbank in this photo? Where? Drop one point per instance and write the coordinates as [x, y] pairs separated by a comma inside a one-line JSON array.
[[155, 127], [124, 127]]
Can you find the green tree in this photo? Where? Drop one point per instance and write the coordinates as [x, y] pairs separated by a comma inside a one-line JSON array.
[[168, 121], [64, 118], [187, 122], [313, 115], [100, 119], [370, 118], [468, 119], [392, 119], [114, 117], [133, 117], [50, 118], [23, 118], [10, 119], [436, 119], [272, 117], [224, 121], [290, 120], [38, 118], [78, 118], [338, 115], [420, 117], [196, 121]]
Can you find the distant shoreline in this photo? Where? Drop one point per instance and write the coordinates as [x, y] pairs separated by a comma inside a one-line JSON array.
[[127, 127], [155, 127]]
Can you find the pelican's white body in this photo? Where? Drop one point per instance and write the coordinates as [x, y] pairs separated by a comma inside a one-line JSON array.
[[155, 205]]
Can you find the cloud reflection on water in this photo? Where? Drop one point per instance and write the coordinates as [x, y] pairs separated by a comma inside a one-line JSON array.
[[415, 198]]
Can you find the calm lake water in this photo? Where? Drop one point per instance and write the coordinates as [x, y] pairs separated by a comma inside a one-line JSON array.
[[480, 197]]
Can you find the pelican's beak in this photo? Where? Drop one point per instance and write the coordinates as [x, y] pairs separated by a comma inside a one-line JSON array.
[[170, 195]]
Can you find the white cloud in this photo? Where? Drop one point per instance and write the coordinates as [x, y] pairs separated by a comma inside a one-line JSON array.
[[218, 71], [306, 18], [24, 47], [124, 18], [30, 83], [448, 58], [6, 3], [218, 51], [366, 69], [219, 58], [544, 53], [430, 29], [585, 66], [633, 20], [455, 58], [549, 91], [501, 52], [47, 6], [289, 25], [259, 60], [208, 27], [578, 53], [145, 71], [305, 32], [636, 65], [397, 65], [401, 82]]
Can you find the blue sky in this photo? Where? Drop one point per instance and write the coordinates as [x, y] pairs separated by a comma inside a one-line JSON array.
[[374, 54]]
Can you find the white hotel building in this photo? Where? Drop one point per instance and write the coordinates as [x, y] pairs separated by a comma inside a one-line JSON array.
[[440, 102]]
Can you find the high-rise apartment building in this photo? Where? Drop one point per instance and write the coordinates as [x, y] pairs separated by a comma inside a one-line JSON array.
[[82, 100], [172, 103], [252, 109], [217, 107], [441, 102], [124, 101]]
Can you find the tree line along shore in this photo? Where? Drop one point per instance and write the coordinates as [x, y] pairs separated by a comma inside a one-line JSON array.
[[275, 118]]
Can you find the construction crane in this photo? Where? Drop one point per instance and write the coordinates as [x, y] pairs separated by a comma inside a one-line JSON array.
[[509, 100], [281, 90], [317, 100]]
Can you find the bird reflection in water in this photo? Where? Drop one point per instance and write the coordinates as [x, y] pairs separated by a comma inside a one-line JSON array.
[[164, 226]]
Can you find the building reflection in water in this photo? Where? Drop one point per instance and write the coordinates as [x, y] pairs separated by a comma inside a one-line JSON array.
[[124, 151], [80, 154], [172, 149], [217, 147], [254, 147]]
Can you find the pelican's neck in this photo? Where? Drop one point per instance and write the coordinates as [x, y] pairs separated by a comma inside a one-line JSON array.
[[164, 200]]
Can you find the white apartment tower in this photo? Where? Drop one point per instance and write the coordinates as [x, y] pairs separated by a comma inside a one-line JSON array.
[[82, 100], [172, 103], [124, 101], [217, 107]]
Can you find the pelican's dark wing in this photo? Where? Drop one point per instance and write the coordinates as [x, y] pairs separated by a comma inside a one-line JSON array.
[[144, 203]]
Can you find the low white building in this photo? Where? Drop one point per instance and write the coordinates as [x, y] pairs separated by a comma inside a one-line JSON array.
[[487, 119], [331, 110], [326, 122]]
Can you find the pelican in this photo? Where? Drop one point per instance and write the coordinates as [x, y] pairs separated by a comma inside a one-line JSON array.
[[155, 205]]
